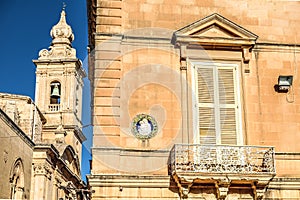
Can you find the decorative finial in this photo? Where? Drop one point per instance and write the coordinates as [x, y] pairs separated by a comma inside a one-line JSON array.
[[64, 5], [62, 32], [62, 37]]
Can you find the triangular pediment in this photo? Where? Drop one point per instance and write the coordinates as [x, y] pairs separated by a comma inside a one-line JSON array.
[[215, 28], [214, 31]]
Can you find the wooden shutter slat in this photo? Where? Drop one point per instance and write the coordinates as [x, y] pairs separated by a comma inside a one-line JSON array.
[[228, 126], [206, 97], [205, 85], [226, 86], [207, 126]]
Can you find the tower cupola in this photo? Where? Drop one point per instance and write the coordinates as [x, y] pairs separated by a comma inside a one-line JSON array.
[[62, 38], [61, 32]]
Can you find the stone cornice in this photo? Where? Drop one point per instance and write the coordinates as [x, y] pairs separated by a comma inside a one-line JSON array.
[[56, 160], [16, 96], [45, 62], [130, 150], [129, 180], [285, 183], [264, 46], [78, 132], [47, 147], [57, 60], [67, 172], [161, 39]]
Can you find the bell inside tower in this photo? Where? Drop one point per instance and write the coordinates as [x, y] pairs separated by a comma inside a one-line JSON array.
[[55, 93]]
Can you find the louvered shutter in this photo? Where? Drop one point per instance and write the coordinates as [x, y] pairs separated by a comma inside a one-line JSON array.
[[217, 104], [206, 105], [228, 105]]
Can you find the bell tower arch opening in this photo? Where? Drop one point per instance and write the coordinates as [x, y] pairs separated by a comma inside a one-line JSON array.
[[55, 88]]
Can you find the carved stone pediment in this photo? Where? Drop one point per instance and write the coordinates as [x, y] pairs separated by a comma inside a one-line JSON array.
[[214, 30]]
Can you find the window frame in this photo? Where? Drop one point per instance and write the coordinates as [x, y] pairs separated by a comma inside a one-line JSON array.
[[193, 65]]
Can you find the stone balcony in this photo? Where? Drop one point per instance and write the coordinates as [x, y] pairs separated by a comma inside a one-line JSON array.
[[222, 167], [54, 107]]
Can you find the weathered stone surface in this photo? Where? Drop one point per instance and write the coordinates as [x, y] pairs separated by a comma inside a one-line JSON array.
[[155, 76], [40, 146]]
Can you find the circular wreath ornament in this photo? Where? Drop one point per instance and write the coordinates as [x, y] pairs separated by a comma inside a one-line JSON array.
[[144, 126]]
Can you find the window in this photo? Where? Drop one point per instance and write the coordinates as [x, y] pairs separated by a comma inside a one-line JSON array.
[[17, 180], [217, 113]]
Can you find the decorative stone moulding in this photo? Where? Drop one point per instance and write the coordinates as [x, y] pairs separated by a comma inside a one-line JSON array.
[[214, 32]]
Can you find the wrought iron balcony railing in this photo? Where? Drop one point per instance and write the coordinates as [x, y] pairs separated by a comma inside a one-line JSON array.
[[222, 159]]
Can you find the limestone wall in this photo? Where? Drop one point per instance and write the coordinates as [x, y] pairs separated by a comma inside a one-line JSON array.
[[24, 113], [271, 20], [16, 157], [136, 68]]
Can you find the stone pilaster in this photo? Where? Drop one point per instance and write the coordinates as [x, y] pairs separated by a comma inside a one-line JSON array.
[[42, 174]]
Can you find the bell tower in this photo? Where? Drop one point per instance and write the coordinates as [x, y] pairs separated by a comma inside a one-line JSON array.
[[59, 83]]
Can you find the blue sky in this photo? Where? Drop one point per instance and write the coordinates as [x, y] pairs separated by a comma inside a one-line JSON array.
[[25, 30]]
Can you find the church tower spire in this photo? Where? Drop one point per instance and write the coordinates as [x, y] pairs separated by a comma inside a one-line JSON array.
[[62, 33], [59, 83], [62, 38]]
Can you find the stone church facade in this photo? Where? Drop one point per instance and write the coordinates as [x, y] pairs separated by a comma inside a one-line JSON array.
[[194, 99], [41, 141]]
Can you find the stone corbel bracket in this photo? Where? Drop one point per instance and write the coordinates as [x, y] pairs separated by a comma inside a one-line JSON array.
[[246, 52], [222, 190], [183, 56], [184, 187], [184, 191], [259, 190]]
